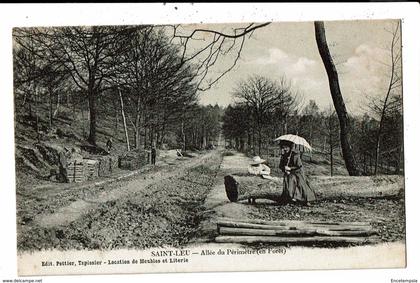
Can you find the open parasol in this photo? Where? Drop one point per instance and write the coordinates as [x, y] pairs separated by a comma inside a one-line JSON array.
[[299, 143]]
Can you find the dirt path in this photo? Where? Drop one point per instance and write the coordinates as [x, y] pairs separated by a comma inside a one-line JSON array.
[[385, 212], [217, 205], [114, 191]]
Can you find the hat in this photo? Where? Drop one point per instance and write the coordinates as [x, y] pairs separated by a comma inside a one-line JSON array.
[[257, 160]]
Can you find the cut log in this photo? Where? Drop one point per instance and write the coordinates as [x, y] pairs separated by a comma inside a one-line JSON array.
[[295, 240], [294, 225], [245, 187], [293, 222], [298, 233], [239, 187]]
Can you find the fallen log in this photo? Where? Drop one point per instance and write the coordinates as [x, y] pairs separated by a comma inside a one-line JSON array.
[[294, 226], [292, 222], [295, 240], [246, 187], [298, 232], [240, 187]]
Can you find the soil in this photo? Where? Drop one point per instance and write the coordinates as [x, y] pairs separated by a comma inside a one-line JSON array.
[[160, 208], [176, 205], [360, 202]]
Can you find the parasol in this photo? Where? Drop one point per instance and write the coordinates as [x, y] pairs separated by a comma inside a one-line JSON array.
[[299, 143]]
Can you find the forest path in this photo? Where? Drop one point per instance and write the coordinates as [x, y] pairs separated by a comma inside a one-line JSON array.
[[114, 191], [218, 205], [378, 200]]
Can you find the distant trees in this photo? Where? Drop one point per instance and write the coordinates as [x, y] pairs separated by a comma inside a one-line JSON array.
[[263, 105], [237, 126], [83, 53], [137, 73], [321, 129], [390, 103], [331, 130], [201, 127], [309, 121], [391, 141]]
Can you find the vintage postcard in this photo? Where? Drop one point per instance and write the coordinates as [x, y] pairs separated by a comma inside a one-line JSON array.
[[246, 146]]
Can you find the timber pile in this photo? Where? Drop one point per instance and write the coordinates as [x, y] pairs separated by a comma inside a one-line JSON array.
[[81, 170], [106, 164], [294, 232], [134, 160], [77, 171], [92, 169]]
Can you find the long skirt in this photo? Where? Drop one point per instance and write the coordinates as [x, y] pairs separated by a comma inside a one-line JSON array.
[[296, 186]]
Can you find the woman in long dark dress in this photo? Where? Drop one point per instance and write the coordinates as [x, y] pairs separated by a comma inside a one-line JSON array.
[[296, 187]]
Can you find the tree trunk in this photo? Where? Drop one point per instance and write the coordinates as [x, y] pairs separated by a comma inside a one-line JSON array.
[[51, 107], [339, 104], [74, 108], [137, 123], [137, 137], [245, 187], [331, 160], [124, 122], [183, 136], [117, 114], [377, 151], [398, 163], [57, 107], [92, 117], [285, 128], [240, 187]]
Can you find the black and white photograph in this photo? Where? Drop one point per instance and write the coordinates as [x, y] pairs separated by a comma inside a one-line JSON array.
[[178, 147]]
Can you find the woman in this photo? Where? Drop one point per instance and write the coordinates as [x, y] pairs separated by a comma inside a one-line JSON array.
[[296, 187], [257, 167]]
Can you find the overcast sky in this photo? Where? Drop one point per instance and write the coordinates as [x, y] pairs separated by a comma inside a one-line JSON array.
[[360, 49]]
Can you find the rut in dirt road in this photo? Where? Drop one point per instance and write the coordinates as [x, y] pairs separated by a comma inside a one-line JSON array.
[[76, 209], [166, 212]]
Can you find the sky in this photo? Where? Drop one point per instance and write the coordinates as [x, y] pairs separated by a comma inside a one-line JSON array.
[[360, 50]]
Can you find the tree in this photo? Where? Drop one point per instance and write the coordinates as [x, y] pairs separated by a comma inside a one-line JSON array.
[[310, 121], [236, 125], [338, 100], [330, 128], [266, 103], [259, 94], [221, 44], [380, 107], [156, 85], [86, 54]]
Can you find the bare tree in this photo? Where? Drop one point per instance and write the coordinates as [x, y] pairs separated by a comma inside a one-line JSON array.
[[338, 101], [382, 106], [221, 44], [330, 130], [85, 53], [263, 97]]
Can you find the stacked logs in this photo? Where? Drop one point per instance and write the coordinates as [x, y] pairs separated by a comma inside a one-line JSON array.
[[81, 170], [92, 169], [134, 160], [77, 171], [294, 232]]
